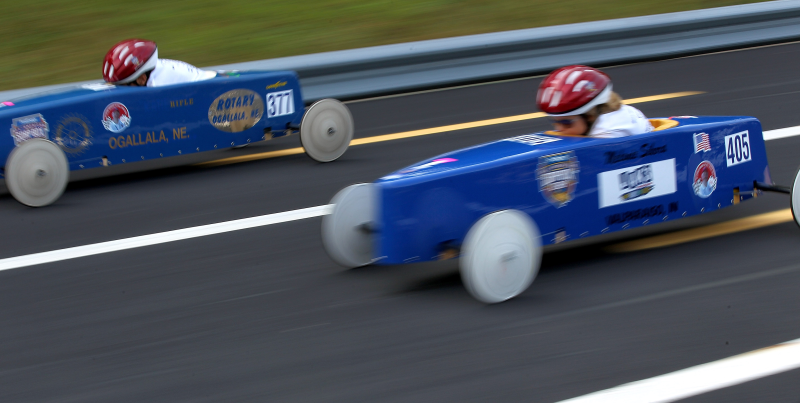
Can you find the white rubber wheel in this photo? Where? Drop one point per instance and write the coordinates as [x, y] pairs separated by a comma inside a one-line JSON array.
[[795, 197], [500, 256], [346, 234], [326, 130], [37, 172]]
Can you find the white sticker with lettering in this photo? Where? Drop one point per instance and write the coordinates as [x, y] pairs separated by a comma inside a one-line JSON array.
[[737, 148], [532, 139], [640, 182], [280, 103]]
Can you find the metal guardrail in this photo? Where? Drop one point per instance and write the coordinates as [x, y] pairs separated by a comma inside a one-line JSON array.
[[404, 67]]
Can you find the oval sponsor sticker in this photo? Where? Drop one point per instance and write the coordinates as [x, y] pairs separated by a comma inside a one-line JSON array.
[[236, 110]]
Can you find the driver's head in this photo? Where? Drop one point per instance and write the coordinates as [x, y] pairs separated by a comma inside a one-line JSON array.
[[571, 95], [130, 62], [575, 125]]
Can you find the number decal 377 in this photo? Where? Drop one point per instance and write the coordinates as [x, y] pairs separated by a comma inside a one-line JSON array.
[[737, 148], [280, 103]]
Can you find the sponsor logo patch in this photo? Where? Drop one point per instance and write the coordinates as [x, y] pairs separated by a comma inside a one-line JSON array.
[[29, 127], [533, 139], [116, 117], [73, 134], [636, 183], [236, 110], [705, 179], [279, 84], [557, 175]]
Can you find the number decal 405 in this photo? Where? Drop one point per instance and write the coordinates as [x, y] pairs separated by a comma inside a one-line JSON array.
[[280, 103], [737, 148]]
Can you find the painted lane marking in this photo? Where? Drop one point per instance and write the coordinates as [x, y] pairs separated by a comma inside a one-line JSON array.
[[253, 157], [702, 378], [781, 133], [432, 130], [162, 237], [211, 229], [708, 231]]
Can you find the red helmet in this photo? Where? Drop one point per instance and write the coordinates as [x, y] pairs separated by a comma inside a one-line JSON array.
[[127, 60], [573, 90]]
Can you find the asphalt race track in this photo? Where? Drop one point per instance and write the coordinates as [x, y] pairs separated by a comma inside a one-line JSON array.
[[263, 315]]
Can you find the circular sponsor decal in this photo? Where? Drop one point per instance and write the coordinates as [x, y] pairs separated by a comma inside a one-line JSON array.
[[236, 110], [116, 117], [73, 134], [705, 179]]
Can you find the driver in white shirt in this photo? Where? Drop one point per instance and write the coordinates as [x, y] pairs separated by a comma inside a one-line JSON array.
[[580, 102], [135, 62]]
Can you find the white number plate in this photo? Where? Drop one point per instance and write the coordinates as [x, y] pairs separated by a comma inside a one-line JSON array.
[[280, 103], [737, 148]]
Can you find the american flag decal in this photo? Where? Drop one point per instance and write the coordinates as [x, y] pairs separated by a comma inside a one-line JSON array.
[[701, 143]]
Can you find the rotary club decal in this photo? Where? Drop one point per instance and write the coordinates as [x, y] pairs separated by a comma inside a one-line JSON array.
[[73, 134], [236, 110]]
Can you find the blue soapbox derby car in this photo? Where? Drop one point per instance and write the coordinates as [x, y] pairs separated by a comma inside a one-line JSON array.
[[496, 205], [96, 125]]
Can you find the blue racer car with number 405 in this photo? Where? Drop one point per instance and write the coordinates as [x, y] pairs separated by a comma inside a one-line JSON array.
[[496, 205], [97, 125]]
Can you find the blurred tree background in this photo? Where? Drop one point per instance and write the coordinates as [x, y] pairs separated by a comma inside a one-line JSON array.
[[57, 41]]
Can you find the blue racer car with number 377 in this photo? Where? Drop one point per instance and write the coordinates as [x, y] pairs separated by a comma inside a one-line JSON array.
[[496, 205], [97, 125]]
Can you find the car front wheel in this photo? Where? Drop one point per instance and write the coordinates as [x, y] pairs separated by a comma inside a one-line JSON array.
[[500, 256]]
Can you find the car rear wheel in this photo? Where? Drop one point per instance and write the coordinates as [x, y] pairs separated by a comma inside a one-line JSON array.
[[347, 231], [500, 256], [37, 172], [326, 130], [795, 197]]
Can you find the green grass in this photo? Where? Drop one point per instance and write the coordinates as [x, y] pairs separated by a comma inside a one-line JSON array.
[[49, 41]]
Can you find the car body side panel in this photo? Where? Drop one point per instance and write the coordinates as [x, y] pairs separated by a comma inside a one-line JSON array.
[[163, 121], [571, 187]]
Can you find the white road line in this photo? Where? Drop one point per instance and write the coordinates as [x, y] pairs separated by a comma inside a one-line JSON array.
[[781, 133], [212, 229], [162, 237], [702, 378]]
